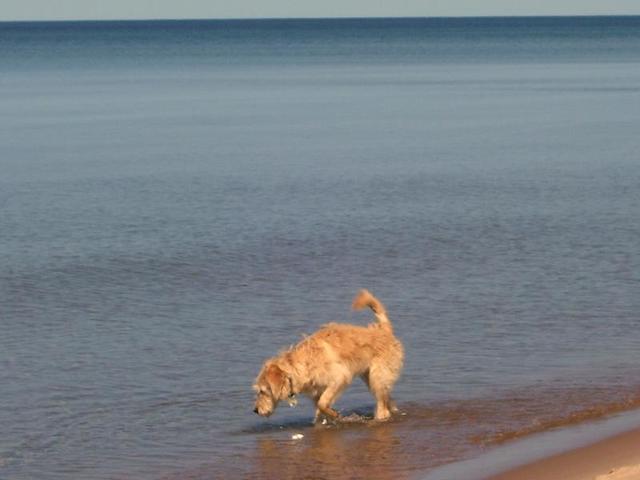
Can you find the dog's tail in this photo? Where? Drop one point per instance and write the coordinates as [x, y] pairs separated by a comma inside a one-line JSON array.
[[364, 298]]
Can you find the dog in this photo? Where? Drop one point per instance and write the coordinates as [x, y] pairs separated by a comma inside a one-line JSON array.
[[322, 365]]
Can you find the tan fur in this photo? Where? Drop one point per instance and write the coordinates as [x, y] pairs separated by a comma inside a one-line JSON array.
[[322, 365]]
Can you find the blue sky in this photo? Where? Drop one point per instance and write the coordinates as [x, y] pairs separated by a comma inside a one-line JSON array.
[[129, 9]]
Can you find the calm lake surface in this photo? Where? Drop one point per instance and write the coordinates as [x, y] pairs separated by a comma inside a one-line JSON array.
[[181, 200]]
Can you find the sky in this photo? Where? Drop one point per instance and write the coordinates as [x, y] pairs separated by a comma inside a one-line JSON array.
[[152, 9]]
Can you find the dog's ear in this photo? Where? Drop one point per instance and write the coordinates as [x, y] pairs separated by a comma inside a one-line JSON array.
[[277, 380]]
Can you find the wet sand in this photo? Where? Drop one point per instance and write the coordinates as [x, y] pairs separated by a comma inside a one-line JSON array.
[[614, 458]]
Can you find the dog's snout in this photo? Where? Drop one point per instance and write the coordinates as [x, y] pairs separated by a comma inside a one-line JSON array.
[[255, 410]]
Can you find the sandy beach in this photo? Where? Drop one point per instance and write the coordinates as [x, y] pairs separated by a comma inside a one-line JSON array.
[[614, 458]]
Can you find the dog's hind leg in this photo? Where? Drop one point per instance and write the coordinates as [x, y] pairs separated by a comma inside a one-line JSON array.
[[391, 404], [381, 381], [387, 402]]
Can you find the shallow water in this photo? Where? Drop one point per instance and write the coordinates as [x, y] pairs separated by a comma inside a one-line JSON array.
[[180, 200]]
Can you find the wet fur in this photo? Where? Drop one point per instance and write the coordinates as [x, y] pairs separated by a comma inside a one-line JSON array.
[[322, 365]]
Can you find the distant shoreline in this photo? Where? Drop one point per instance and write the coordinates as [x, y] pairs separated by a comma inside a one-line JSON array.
[[314, 19]]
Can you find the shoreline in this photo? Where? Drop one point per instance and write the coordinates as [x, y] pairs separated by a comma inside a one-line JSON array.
[[614, 458], [607, 449]]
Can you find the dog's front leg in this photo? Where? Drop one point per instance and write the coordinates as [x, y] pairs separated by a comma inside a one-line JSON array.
[[326, 400], [329, 412], [321, 415], [316, 418]]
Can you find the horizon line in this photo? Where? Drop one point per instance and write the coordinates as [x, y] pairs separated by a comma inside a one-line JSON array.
[[372, 17]]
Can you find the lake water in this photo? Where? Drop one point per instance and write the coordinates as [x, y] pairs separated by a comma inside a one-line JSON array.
[[181, 200]]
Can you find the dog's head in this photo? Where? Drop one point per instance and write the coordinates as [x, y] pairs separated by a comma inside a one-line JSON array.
[[272, 386]]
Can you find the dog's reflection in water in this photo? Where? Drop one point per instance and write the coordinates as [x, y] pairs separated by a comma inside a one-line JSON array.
[[355, 451]]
